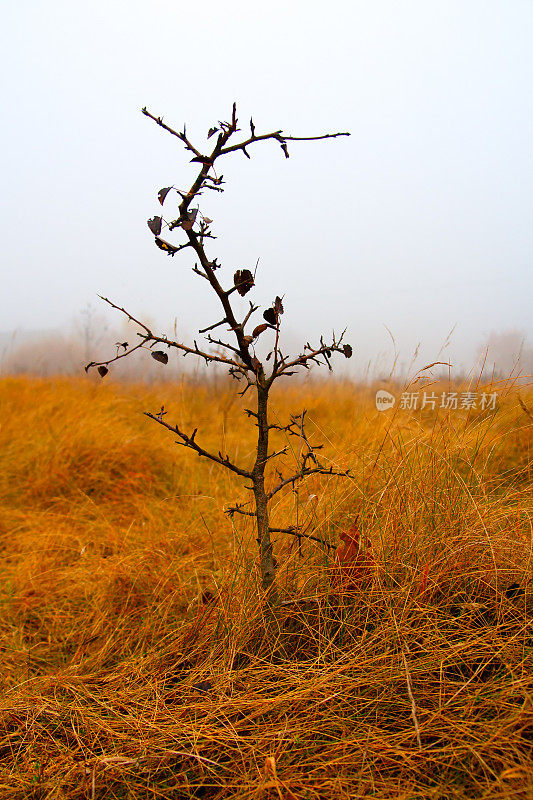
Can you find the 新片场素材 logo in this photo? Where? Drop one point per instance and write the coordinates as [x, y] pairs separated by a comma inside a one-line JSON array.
[[384, 400]]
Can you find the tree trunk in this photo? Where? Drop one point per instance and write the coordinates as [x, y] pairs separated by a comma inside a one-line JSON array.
[[268, 570]]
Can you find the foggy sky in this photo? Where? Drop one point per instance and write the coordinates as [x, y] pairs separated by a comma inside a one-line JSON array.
[[420, 221]]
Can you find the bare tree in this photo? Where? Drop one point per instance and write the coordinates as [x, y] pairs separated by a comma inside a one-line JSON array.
[[238, 355]]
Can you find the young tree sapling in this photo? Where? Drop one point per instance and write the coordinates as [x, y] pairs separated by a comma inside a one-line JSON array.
[[238, 355]]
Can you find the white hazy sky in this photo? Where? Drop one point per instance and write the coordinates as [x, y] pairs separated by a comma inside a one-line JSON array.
[[420, 221]]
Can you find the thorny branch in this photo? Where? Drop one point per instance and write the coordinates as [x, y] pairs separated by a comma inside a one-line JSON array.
[[296, 428], [189, 441], [295, 531], [149, 337]]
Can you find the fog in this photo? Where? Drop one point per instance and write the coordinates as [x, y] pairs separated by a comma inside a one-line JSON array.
[[417, 225]]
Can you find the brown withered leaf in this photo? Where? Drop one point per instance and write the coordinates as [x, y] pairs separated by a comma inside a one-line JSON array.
[[270, 316], [354, 559], [201, 160], [166, 246], [243, 280], [188, 223], [162, 193], [259, 329], [248, 340], [211, 132], [256, 364], [278, 306], [160, 356], [347, 350], [155, 225], [102, 371]]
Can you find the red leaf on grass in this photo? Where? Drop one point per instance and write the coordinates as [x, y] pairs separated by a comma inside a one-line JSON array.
[[424, 580], [354, 562]]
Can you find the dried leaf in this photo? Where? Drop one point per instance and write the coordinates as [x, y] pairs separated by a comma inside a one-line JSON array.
[[155, 225], [159, 355], [189, 222], [355, 564], [270, 316], [284, 148], [248, 340], [278, 306], [256, 364], [102, 371], [270, 768], [243, 280], [259, 329], [424, 580], [347, 350], [162, 193], [211, 132], [201, 160], [207, 220], [166, 246]]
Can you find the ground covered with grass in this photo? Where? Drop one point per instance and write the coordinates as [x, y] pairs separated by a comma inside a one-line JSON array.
[[141, 660]]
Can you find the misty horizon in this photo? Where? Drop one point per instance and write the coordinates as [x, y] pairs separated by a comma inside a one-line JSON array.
[[417, 225]]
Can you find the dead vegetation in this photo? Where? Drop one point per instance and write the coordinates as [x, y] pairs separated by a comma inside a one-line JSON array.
[[139, 658]]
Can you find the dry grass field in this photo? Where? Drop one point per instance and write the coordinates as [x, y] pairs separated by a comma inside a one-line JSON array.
[[140, 660]]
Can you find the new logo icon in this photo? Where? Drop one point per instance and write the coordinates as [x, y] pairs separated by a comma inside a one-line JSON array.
[[384, 400]]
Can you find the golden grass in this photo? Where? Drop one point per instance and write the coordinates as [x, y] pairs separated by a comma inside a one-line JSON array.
[[123, 678]]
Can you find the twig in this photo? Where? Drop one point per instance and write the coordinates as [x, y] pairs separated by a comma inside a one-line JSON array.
[[189, 441], [293, 531], [304, 473]]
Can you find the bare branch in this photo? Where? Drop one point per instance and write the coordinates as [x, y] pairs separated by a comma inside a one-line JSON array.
[[220, 343], [237, 509], [311, 354], [127, 314], [253, 308], [276, 454], [181, 136], [116, 358], [212, 327], [279, 136], [305, 473], [294, 531], [189, 441]]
